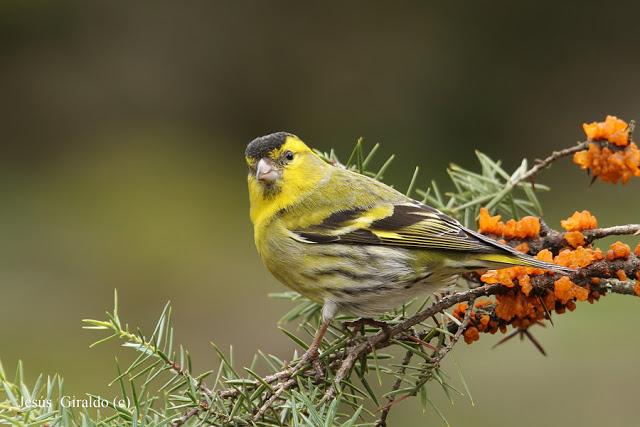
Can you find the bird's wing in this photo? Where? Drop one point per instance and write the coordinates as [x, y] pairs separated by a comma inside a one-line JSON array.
[[403, 224]]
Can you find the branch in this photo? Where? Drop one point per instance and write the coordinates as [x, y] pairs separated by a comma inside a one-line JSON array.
[[382, 339], [618, 230], [275, 396], [291, 392], [446, 349], [382, 421], [546, 162], [554, 240], [344, 358], [187, 416]]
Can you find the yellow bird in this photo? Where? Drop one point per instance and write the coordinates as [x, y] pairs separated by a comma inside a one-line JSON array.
[[352, 243]]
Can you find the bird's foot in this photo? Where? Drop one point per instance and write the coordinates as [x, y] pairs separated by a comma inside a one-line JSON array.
[[309, 356], [319, 372], [444, 293], [357, 325], [312, 355]]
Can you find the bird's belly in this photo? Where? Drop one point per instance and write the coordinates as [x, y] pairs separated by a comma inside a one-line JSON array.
[[370, 301], [361, 280]]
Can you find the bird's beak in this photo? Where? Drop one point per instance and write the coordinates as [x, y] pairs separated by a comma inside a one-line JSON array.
[[266, 171]]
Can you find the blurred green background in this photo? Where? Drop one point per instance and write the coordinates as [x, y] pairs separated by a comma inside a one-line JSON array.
[[123, 131]]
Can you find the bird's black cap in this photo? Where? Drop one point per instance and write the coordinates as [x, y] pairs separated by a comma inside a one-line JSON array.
[[262, 146]]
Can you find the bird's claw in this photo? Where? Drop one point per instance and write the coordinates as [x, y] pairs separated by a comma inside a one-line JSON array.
[[319, 373], [356, 325], [311, 356]]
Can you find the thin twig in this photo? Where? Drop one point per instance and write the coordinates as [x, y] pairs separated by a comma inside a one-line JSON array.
[[187, 416], [544, 163], [554, 240], [230, 393], [447, 348], [275, 396], [382, 421], [618, 230], [352, 355]]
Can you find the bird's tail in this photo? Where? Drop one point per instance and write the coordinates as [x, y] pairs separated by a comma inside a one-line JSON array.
[[514, 257]]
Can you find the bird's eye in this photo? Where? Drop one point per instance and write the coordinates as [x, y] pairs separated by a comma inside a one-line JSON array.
[[288, 155]]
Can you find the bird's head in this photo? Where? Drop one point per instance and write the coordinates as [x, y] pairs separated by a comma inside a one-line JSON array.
[[282, 169], [280, 159]]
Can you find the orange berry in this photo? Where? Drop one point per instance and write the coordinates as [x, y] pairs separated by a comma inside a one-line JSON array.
[[612, 129], [490, 277], [525, 284], [581, 294], [484, 320], [593, 296], [562, 289], [583, 158], [460, 310], [608, 165], [503, 276], [618, 250], [545, 255], [527, 227], [574, 238], [621, 275], [505, 307], [580, 221], [509, 228], [637, 250], [549, 300], [471, 334], [482, 303], [489, 224], [578, 258], [565, 290]]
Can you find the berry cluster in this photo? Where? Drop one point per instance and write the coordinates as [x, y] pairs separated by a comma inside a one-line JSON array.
[[611, 155], [520, 303]]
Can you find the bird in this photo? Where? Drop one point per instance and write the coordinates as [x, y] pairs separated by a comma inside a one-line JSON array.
[[352, 243]]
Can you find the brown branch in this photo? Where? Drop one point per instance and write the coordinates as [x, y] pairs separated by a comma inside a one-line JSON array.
[[231, 393], [554, 240], [275, 396], [465, 322], [546, 162], [382, 421], [618, 230], [196, 410], [623, 287], [187, 416], [439, 355], [382, 339], [352, 355]]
